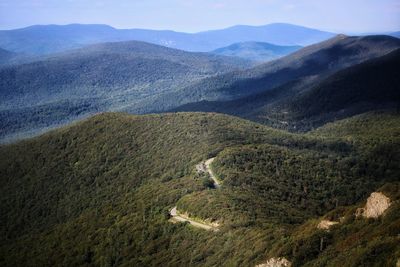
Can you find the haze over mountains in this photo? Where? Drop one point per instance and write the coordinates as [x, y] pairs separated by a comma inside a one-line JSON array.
[[299, 127], [100, 77], [303, 68], [256, 51], [6, 56], [139, 78], [45, 39], [371, 85]]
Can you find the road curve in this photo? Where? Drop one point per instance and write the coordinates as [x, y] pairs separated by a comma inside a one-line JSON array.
[[207, 164], [176, 217]]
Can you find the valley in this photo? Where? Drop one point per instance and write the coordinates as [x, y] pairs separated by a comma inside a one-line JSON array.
[[107, 77], [249, 146], [143, 78]]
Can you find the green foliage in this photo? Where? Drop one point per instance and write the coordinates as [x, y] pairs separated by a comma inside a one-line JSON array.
[[98, 193], [312, 94], [110, 76], [354, 242], [208, 183]]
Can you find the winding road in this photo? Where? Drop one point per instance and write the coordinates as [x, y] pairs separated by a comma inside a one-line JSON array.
[[207, 163], [177, 217]]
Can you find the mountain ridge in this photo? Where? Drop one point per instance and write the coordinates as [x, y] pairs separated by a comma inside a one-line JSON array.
[[370, 85], [256, 51], [104, 76], [151, 78], [307, 66], [45, 39], [99, 192]]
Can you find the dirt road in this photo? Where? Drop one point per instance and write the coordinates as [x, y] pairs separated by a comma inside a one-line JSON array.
[[176, 217], [207, 164]]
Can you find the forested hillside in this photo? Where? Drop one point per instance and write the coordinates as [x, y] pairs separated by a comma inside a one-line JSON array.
[[371, 85], [98, 192], [139, 78], [297, 72], [256, 51], [101, 77], [193, 134], [106, 69], [6, 56]]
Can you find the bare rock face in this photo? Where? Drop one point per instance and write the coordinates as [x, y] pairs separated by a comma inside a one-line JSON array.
[[326, 224], [201, 167], [377, 204], [276, 262]]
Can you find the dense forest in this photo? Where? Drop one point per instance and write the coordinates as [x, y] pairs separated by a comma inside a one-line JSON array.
[[56, 89], [256, 51], [127, 153], [141, 78], [371, 85], [98, 192]]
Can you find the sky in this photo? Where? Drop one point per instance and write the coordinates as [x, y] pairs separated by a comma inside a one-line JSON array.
[[340, 16]]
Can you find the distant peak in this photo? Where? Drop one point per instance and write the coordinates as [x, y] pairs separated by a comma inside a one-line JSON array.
[[73, 25]]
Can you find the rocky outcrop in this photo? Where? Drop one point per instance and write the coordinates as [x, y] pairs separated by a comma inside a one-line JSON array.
[[204, 167], [276, 262], [201, 167], [326, 224], [377, 204]]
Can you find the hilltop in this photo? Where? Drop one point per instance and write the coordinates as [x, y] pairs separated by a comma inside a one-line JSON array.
[[62, 87], [100, 191]]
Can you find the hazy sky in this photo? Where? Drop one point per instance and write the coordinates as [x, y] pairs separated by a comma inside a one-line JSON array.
[[347, 16]]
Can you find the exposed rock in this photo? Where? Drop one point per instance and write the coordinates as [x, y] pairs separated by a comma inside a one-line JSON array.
[[326, 224], [201, 167], [377, 204], [276, 262]]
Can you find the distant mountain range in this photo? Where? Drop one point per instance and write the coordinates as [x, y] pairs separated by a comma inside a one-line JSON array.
[[256, 51], [100, 77], [320, 187], [139, 78], [46, 39], [371, 85], [299, 70]]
